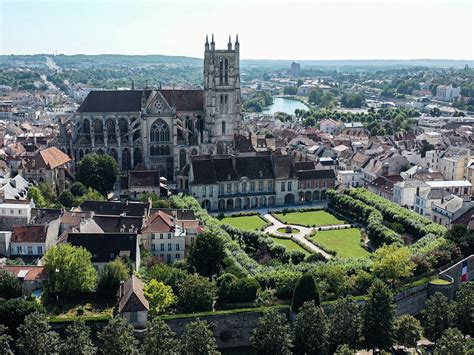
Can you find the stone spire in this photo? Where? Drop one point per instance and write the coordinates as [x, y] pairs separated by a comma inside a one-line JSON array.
[[213, 45], [229, 45], [206, 46]]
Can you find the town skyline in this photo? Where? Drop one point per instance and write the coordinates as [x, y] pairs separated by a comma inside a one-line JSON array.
[[357, 30]]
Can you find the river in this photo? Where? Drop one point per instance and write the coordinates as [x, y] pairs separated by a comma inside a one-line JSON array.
[[280, 104]]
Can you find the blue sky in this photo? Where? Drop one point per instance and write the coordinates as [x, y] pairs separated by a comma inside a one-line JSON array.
[[301, 29]]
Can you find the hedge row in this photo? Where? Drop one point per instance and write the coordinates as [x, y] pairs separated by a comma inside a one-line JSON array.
[[416, 225], [367, 215]]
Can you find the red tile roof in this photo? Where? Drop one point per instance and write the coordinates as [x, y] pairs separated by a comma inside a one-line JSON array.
[[34, 273], [53, 157], [29, 234], [159, 222]]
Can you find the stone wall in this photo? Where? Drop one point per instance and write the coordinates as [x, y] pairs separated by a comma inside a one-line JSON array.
[[231, 330]]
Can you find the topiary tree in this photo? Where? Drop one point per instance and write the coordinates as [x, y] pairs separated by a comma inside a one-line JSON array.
[[272, 335], [198, 339], [305, 290], [10, 286]]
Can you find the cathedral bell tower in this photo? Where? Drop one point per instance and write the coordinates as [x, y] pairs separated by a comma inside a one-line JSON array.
[[222, 92]]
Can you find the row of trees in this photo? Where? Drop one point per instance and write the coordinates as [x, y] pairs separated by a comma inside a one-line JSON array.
[[258, 102], [348, 326], [35, 336]]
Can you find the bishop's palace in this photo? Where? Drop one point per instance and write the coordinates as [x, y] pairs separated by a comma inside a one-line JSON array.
[[161, 129]]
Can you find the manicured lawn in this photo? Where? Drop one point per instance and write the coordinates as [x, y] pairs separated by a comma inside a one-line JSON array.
[[309, 218], [345, 242], [439, 282], [290, 245], [250, 223]]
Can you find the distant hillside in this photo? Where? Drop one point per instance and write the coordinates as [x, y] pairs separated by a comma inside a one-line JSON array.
[[81, 60]]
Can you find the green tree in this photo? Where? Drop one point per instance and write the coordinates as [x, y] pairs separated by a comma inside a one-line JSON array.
[[117, 338], [36, 337], [98, 171], [78, 189], [14, 311], [90, 195], [345, 319], [272, 334], [452, 342], [167, 274], [66, 198], [35, 194], [160, 296], [48, 193], [392, 263], [464, 307], [305, 291], [311, 330], [462, 237], [78, 340], [437, 316], [198, 339], [70, 269], [160, 339], [207, 254], [407, 331], [344, 349], [113, 273], [10, 287], [5, 341], [378, 314], [196, 294]]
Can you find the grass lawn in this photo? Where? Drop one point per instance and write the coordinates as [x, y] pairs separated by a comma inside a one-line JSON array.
[[439, 282], [250, 223], [309, 218], [345, 242], [290, 245], [69, 310]]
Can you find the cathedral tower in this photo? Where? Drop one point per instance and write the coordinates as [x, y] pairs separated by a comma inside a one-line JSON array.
[[222, 92]]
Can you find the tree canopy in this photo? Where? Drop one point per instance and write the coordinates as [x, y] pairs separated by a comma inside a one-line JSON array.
[[160, 339], [207, 254], [272, 335], [305, 291], [198, 339], [10, 286], [160, 296], [70, 269], [196, 294], [36, 336], [117, 338], [98, 171]]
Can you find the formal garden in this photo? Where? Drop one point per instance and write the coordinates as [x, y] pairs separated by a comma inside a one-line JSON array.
[[308, 218], [343, 243], [249, 222]]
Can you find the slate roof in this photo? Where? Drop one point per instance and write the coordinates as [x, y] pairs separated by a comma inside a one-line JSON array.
[[114, 224], [105, 247], [283, 167], [113, 101], [143, 178], [304, 165], [131, 100], [132, 298], [137, 209], [316, 174], [44, 215]]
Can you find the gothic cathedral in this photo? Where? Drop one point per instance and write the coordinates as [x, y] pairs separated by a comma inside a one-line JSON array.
[[160, 129]]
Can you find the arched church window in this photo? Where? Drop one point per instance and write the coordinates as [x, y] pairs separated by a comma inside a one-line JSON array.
[[223, 127], [226, 71], [160, 131], [221, 72], [86, 127], [182, 158]]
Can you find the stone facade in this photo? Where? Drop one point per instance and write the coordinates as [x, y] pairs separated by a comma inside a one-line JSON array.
[[161, 128]]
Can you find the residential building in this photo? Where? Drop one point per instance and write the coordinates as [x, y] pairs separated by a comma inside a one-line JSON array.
[[295, 69], [425, 199], [164, 237], [460, 188], [133, 305], [447, 92], [49, 165], [328, 126], [383, 185], [105, 247], [404, 192], [350, 178], [31, 277], [449, 209], [28, 241], [452, 163], [14, 212]]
